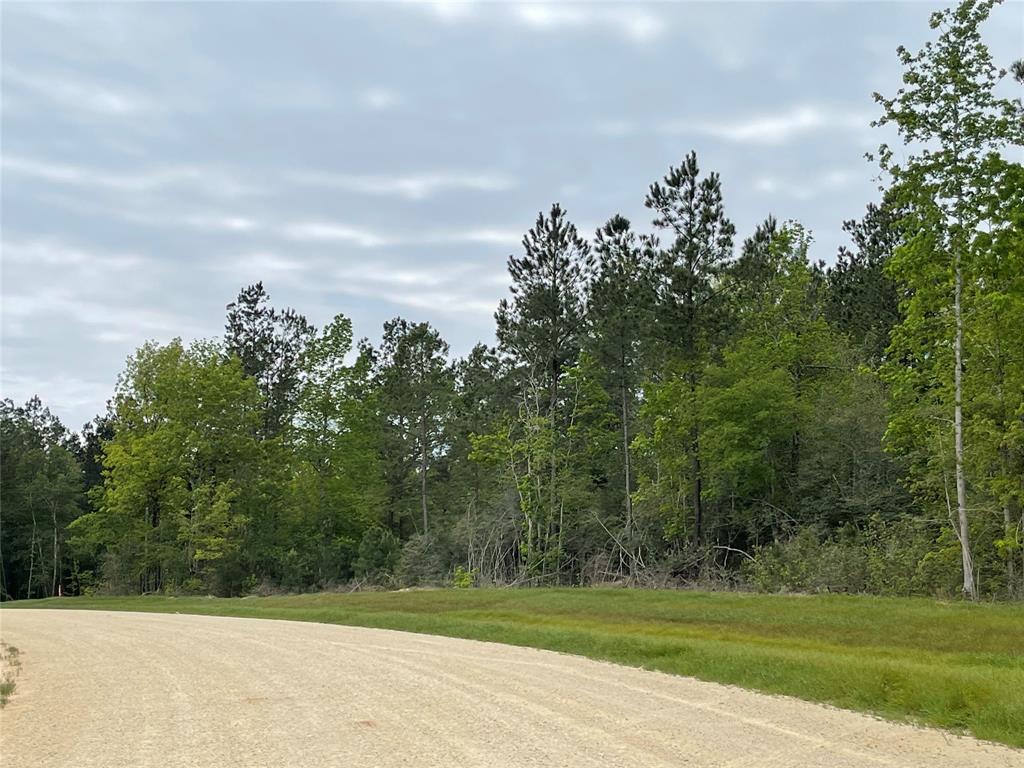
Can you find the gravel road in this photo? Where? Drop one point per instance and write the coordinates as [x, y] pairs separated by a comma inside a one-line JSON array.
[[140, 690]]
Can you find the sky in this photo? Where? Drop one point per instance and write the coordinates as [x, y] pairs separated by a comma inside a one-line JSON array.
[[384, 159]]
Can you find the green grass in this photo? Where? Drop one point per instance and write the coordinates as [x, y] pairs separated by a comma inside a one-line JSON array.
[[952, 665]]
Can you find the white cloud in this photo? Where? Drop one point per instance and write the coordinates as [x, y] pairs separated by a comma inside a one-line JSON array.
[[77, 94], [454, 289], [56, 253], [62, 393], [409, 186], [447, 10], [485, 236], [320, 231], [330, 231], [635, 23], [808, 189], [213, 182], [379, 99], [770, 128], [246, 267], [106, 315], [628, 20], [222, 223]]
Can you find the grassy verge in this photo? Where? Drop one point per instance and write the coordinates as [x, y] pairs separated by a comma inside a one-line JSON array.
[[951, 665], [10, 665]]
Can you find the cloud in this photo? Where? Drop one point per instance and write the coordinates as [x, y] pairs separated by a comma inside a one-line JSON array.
[[455, 288], [218, 183], [319, 231], [808, 189], [775, 128], [106, 315], [221, 223], [335, 232], [62, 393], [302, 273], [410, 186], [78, 95], [211, 181], [56, 253], [466, 288], [49, 282], [379, 99], [448, 10], [634, 23]]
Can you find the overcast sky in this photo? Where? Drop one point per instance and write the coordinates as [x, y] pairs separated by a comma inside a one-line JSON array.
[[384, 159]]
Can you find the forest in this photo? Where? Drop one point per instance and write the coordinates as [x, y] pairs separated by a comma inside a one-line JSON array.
[[670, 404]]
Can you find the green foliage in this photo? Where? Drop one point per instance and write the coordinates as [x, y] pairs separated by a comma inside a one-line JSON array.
[[270, 344], [415, 393], [420, 563], [949, 364], [180, 472], [40, 495], [463, 579], [379, 551]]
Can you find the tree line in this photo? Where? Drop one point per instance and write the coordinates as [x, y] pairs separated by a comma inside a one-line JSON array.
[[678, 405]]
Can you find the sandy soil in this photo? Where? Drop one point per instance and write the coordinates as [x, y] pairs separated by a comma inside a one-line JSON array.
[[124, 689]]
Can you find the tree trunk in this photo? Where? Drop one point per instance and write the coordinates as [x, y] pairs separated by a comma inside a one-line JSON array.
[[625, 455], [958, 430], [423, 469], [554, 461], [56, 551], [698, 507], [1008, 532], [31, 557]]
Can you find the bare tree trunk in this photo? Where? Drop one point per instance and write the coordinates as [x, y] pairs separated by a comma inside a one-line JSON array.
[[698, 507], [625, 454], [31, 556], [423, 469], [1011, 586], [958, 430], [56, 550]]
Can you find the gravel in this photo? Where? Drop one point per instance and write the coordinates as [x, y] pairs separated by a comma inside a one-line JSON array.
[[112, 689]]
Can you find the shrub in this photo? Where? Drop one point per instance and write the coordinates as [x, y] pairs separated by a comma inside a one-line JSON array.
[[463, 579], [378, 554], [420, 563], [907, 556]]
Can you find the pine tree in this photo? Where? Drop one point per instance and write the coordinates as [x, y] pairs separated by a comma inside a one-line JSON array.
[[416, 390], [691, 311], [270, 344], [539, 330], [620, 313]]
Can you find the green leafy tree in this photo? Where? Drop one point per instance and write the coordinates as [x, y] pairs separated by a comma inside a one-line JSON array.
[[40, 494], [180, 474], [953, 124], [337, 486]]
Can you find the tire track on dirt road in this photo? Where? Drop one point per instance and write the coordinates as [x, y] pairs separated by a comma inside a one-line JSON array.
[[105, 689]]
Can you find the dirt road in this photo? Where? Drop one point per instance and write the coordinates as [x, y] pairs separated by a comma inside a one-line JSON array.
[[132, 689]]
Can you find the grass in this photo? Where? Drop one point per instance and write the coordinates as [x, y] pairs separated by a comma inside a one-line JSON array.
[[951, 665], [10, 666]]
